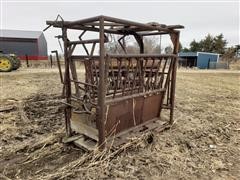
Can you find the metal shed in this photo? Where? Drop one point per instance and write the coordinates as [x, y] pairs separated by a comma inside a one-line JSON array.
[[197, 59], [22, 43]]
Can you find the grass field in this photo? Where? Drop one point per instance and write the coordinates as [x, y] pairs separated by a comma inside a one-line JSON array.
[[203, 143]]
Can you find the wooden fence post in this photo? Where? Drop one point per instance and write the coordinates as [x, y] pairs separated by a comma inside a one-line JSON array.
[[51, 61], [27, 60]]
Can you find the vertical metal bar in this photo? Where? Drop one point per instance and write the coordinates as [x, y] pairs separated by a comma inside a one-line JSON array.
[[86, 72], [27, 60], [101, 116], [131, 73], [128, 74], [119, 63], [161, 79], [166, 83], [150, 74], [68, 109], [147, 77], [51, 61], [144, 74], [91, 71], [93, 48], [126, 79], [160, 44], [106, 75], [74, 75], [59, 65], [140, 79], [157, 73], [93, 66], [135, 73], [95, 71], [175, 40], [121, 74], [168, 91], [73, 68], [113, 83]]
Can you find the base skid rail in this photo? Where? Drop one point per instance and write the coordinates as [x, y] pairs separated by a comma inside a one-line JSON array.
[[87, 143]]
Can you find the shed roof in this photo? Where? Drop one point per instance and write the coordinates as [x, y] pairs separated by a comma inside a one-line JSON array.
[[7, 33], [192, 54], [187, 54]]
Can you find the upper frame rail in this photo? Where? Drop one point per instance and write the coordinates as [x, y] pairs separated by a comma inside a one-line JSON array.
[[127, 26]]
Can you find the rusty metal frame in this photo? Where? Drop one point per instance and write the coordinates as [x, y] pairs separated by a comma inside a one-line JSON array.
[[111, 79]]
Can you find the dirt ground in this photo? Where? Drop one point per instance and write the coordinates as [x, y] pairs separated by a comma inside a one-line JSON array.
[[203, 143]]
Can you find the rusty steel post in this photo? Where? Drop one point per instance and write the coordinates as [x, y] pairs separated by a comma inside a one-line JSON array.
[[67, 82], [59, 65], [60, 72], [175, 39], [101, 116]]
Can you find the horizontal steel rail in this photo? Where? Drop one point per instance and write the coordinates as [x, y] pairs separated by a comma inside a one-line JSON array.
[[118, 99], [96, 57]]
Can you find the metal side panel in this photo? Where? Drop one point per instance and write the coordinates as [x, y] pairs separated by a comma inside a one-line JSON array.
[[151, 107], [123, 115], [132, 112], [80, 123]]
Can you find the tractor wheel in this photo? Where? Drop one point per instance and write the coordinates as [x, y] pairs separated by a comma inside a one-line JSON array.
[[6, 63]]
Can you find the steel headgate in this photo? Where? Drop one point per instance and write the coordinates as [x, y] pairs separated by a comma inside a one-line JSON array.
[[116, 94]]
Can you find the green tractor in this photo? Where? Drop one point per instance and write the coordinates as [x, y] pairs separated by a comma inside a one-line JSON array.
[[9, 62]]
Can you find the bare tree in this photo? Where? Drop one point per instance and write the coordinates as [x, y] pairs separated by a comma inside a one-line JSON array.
[[168, 50], [150, 46]]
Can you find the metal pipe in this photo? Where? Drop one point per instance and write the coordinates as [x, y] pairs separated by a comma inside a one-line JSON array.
[[59, 65], [152, 33], [105, 24], [67, 82], [123, 98], [83, 21], [101, 116], [83, 57], [132, 23], [174, 72], [141, 55]]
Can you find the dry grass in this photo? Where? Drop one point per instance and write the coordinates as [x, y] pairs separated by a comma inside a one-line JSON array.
[[202, 144], [235, 65]]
